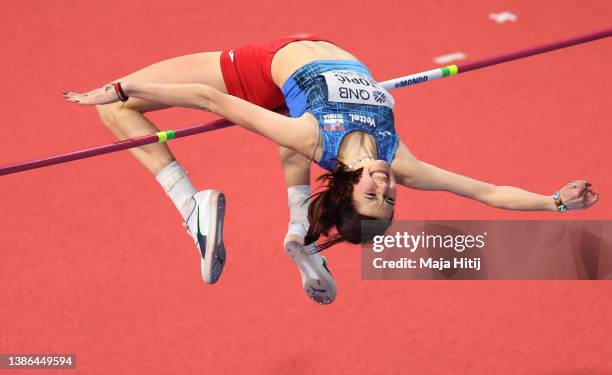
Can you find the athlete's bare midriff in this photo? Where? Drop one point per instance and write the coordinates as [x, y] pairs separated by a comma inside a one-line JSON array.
[[297, 54]]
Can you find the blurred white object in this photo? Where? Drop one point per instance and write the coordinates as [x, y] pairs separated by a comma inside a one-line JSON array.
[[445, 59], [503, 17]]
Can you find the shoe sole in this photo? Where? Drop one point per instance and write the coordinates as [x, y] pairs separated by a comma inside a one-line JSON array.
[[214, 254], [322, 288]]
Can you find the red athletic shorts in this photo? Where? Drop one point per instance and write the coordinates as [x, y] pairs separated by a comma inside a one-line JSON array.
[[247, 71]]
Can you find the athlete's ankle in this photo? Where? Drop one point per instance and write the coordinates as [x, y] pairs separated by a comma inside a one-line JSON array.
[[177, 185], [297, 197]]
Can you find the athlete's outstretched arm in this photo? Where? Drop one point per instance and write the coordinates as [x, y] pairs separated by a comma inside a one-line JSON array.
[[417, 174], [298, 134]]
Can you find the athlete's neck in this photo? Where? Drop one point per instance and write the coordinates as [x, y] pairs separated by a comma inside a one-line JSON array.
[[357, 145]]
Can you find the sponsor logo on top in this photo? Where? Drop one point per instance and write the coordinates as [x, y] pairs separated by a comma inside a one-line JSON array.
[[379, 96], [352, 87]]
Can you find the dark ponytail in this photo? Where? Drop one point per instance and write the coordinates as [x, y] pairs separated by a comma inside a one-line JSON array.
[[333, 207]]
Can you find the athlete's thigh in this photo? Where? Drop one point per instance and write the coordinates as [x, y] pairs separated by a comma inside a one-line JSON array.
[[204, 67]]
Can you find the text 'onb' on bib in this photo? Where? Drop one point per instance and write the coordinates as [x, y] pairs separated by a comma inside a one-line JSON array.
[[345, 86]]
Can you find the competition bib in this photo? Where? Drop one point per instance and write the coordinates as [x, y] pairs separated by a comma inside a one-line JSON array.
[[345, 86]]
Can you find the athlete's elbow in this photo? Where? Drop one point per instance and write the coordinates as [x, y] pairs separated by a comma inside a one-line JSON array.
[[205, 97], [491, 195]]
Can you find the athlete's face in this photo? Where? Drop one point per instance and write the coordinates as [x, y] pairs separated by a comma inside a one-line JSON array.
[[375, 193]]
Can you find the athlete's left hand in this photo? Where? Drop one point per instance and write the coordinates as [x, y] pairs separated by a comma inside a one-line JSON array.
[[578, 195], [102, 95]]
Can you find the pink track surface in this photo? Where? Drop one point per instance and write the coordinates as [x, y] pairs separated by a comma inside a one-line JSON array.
[[94, 260]]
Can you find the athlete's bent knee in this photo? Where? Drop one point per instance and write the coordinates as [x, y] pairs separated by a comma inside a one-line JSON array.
[[107, 113], [111, 113]]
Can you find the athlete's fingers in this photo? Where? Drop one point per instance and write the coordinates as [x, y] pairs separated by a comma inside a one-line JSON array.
[[593, 198], [579, 184], [79, 99], [96, 96], [584, 199], [72, 95], [587, 199], [577, 190], [71, 99], [582, 192]]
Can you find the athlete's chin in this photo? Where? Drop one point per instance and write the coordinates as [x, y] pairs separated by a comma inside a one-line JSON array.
[[380, 163]]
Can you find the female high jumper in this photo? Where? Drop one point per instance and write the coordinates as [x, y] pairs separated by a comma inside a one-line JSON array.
[[340, 117]]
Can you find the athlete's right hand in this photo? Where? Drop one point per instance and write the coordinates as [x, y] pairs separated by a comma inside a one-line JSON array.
[[102, 95]]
